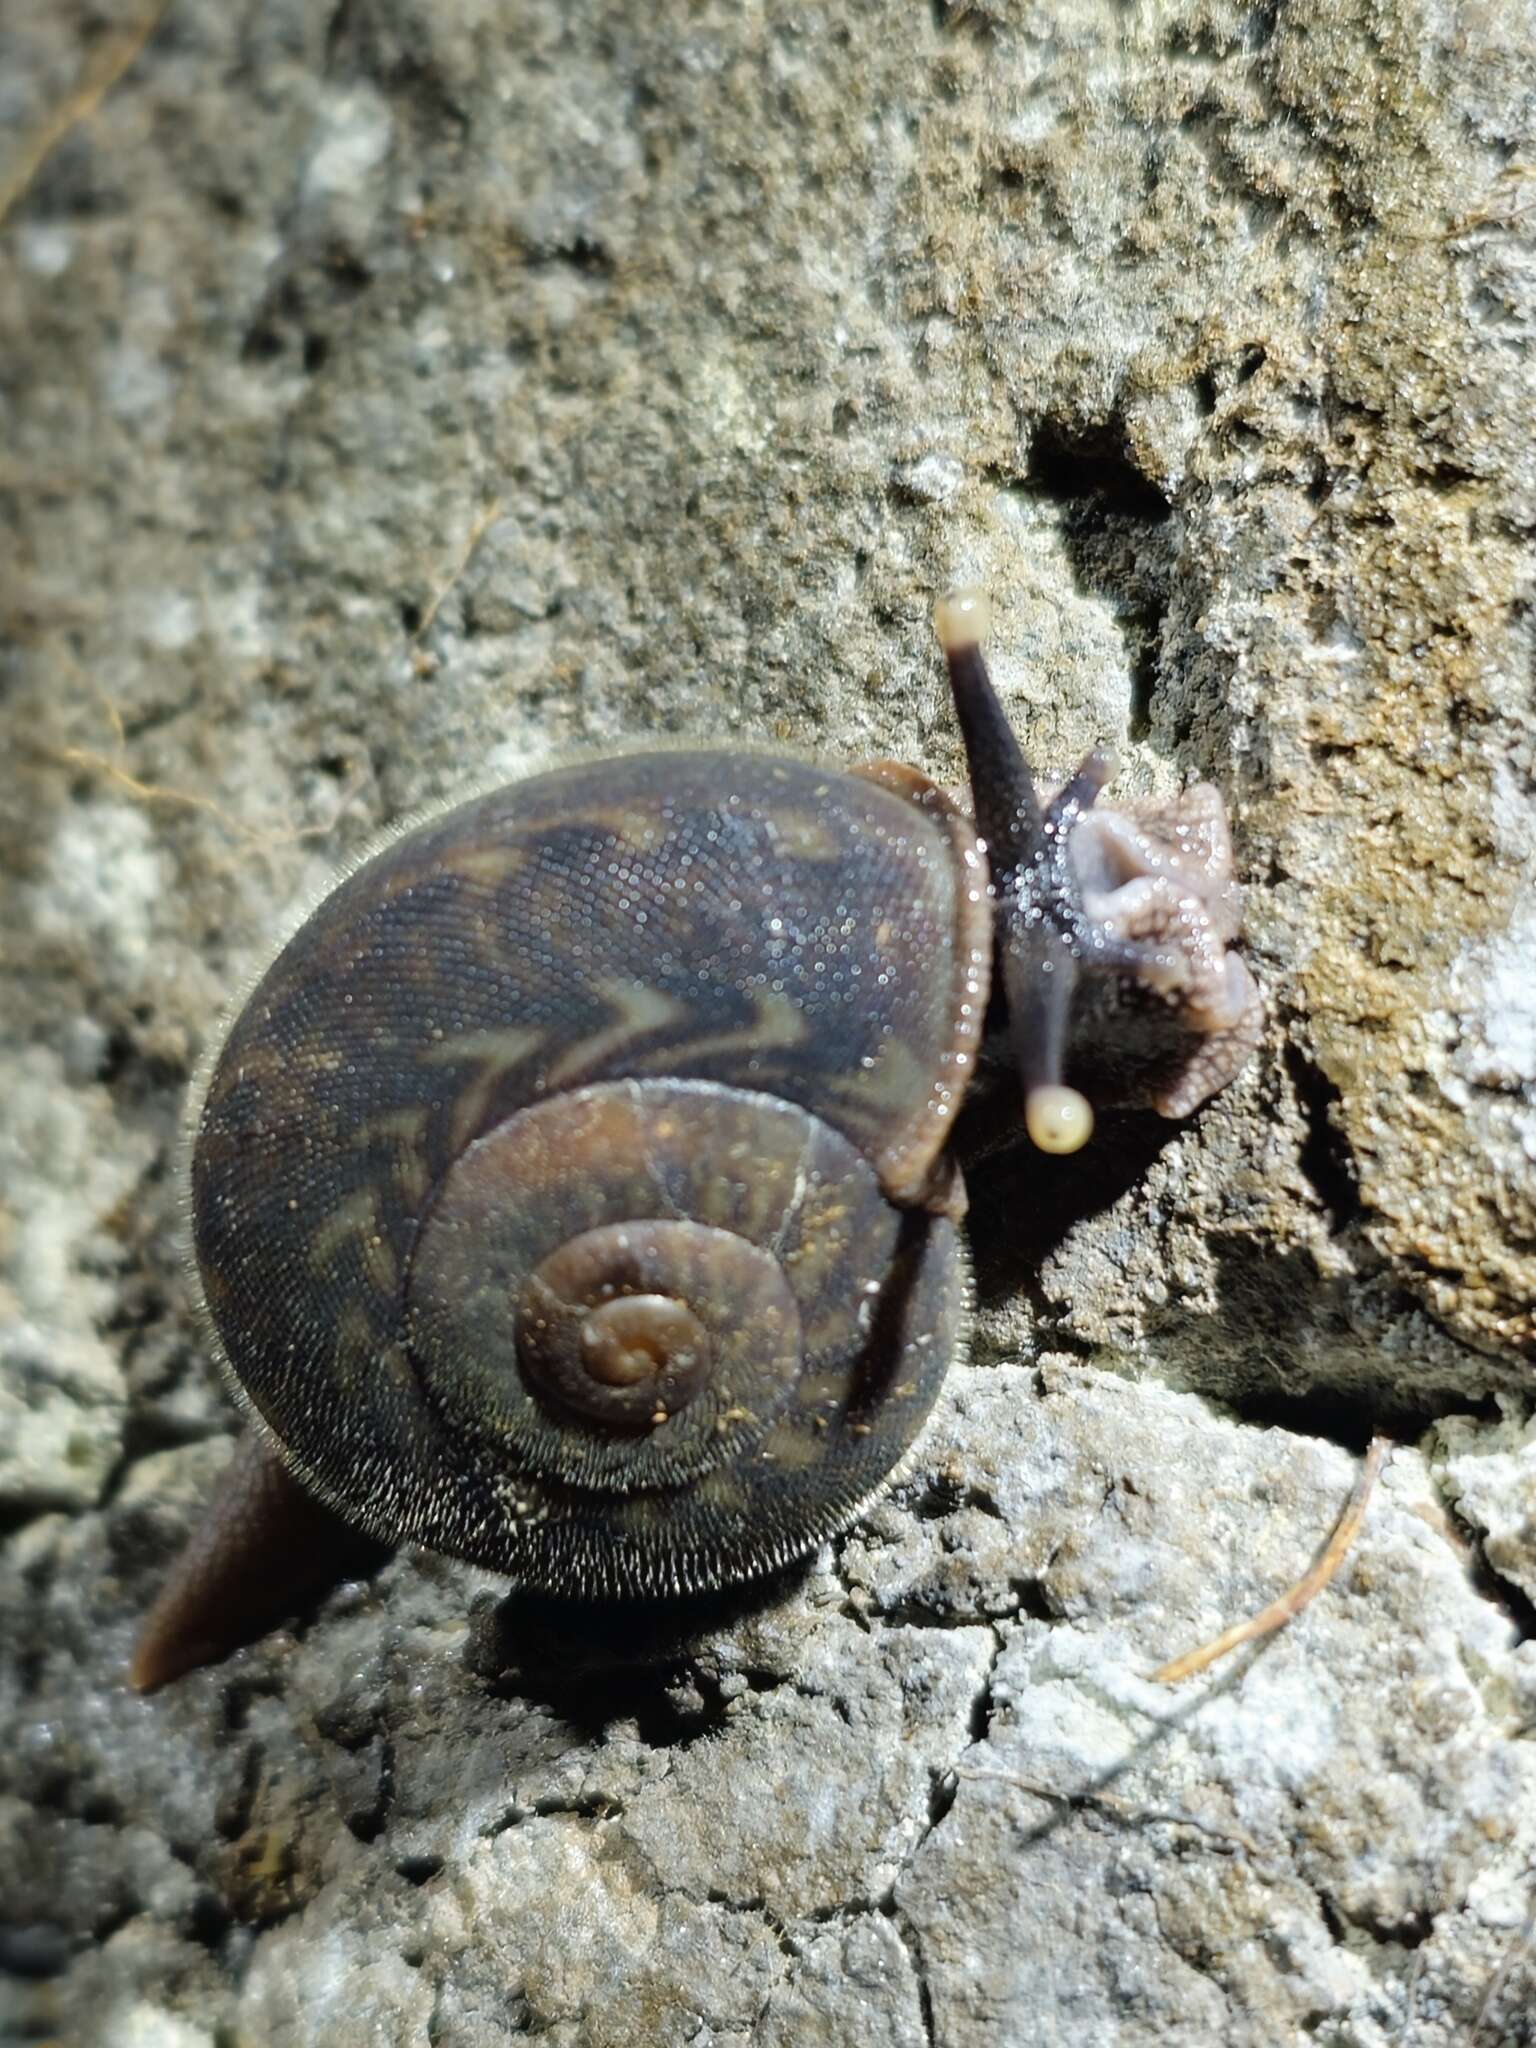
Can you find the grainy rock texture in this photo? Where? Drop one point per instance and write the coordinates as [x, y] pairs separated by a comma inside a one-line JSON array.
[[395, 396]]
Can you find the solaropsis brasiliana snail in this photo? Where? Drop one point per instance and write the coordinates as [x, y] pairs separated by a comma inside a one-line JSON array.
[[574, 1193]]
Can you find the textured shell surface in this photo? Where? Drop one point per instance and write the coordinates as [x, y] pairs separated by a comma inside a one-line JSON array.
[[666, 1043]]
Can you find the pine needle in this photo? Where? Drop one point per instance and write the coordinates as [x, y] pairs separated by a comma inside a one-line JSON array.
[[1307, 1587]]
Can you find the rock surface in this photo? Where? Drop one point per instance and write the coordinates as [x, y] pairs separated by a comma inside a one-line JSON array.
[[394, 398]]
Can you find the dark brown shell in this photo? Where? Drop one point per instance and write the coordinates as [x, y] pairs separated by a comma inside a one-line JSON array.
[[739, 990]]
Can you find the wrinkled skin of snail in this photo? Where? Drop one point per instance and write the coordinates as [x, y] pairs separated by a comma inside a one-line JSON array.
[[571, 1196]]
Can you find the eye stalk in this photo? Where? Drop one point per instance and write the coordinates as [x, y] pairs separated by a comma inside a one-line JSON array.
[[1138, 896], [1044, 934], [1058, 1119]]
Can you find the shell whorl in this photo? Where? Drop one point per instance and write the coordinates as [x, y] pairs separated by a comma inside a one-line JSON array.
[[608, 1326], [812, 1346], [557, 1195]]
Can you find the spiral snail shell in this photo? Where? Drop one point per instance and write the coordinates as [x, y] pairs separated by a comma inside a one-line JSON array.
[[572, 1194]]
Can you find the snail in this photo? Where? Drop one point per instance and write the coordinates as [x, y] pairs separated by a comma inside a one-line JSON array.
[[574, 1195]]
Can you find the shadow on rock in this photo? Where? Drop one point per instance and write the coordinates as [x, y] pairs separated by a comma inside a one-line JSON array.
[[597, 1662], [1024, 1204]]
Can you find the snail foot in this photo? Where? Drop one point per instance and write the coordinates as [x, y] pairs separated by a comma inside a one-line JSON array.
[[264, 1548]]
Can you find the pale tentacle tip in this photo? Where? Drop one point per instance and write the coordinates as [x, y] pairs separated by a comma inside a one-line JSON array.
[[143, 1673], [1057, 1119], [962, 619]]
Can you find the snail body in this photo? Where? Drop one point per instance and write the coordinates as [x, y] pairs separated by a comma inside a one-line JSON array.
[[572, 1196]]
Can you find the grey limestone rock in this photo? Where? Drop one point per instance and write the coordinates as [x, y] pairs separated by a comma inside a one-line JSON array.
[[394, 396]]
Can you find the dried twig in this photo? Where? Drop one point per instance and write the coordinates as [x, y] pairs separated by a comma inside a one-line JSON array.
[[161, 793], [110, 767], [102, 72], [1500, 216], [1295, 1598], [486, 520]]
